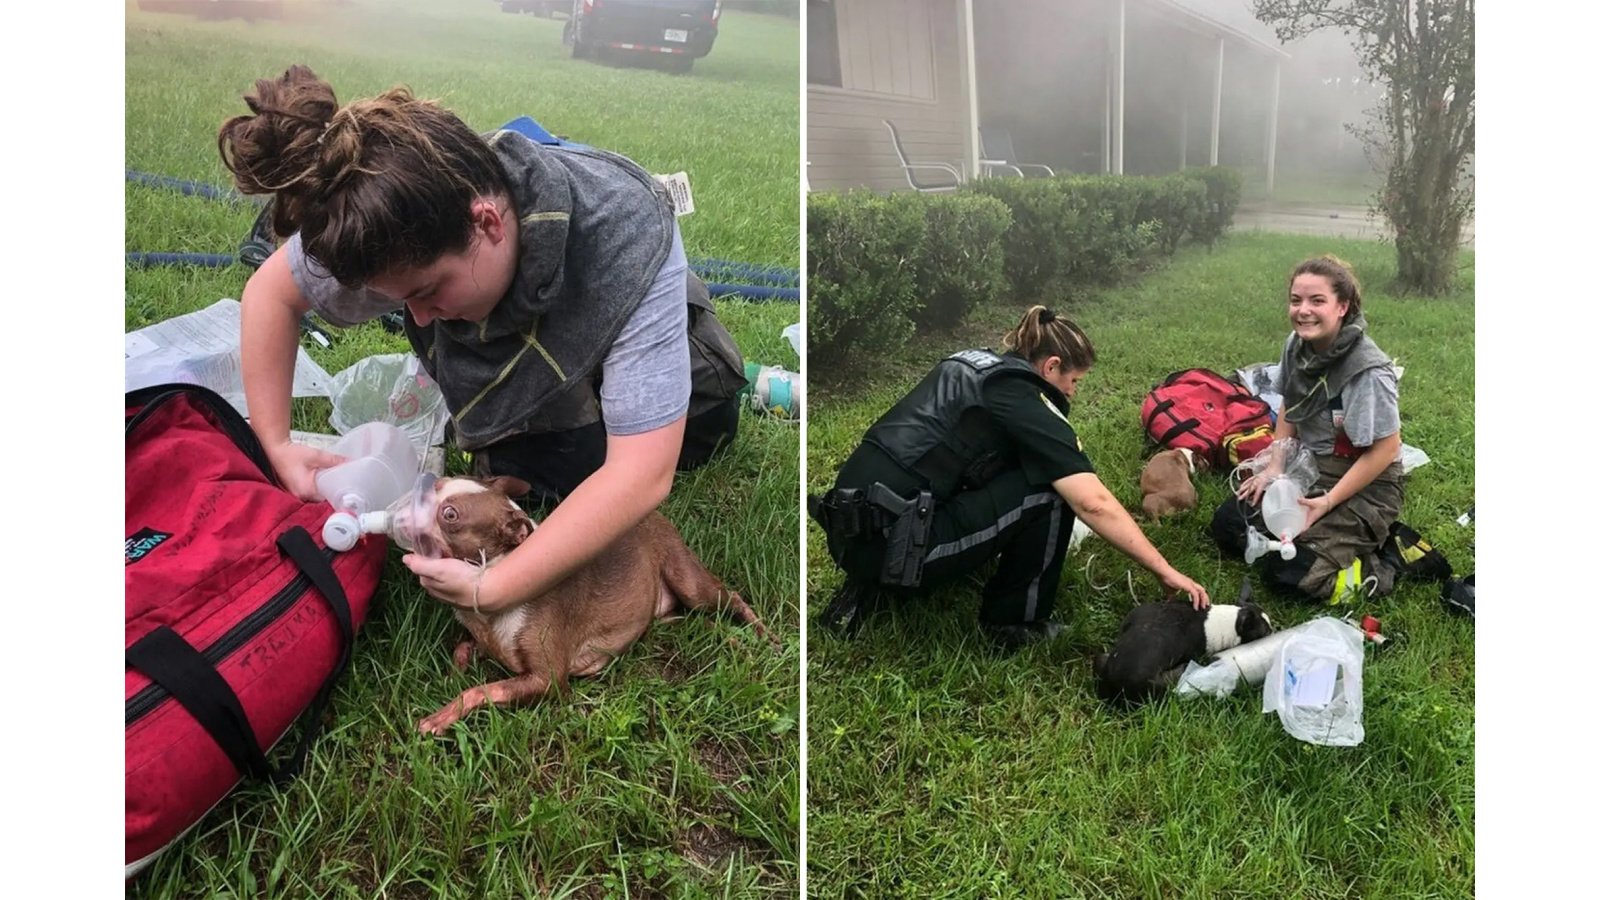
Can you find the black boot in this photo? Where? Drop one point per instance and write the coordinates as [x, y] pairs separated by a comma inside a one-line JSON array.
[[1412, 557], [848, 608], [1011, 638], [1460, 596]]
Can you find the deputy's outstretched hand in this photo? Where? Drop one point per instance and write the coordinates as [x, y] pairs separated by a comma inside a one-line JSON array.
[[1178, 583]]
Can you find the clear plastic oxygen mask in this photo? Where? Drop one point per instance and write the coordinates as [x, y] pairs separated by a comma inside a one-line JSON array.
[[407, 521]]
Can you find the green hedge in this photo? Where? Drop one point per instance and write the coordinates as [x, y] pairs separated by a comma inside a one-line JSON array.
[[962, 259], [880, 265], [1223, 189], [861, 284], [1095, 229]]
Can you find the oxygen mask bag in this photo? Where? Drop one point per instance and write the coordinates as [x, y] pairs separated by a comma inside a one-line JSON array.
[[1293, 472], [407, 521]]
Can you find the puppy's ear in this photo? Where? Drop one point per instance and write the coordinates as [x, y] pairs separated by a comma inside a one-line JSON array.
[[515, 528], [510, 485], [1252, 623]]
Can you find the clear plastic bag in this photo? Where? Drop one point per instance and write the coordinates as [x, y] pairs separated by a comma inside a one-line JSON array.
[[1411, 458], [1216, 679], [391, 388], [1297, 463], [1314, 684]]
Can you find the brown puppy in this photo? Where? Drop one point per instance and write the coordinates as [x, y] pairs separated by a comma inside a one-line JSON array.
[[582, 623], [1165, 483]]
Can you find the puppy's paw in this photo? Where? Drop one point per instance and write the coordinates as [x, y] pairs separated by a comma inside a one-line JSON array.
[[438, 723], [465, 653]]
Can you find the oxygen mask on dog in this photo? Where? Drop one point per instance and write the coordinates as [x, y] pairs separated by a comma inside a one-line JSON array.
[[407, 521]]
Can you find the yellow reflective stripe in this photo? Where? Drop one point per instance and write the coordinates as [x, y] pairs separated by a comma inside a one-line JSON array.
[[1346, 583], [528, 340], [554, 215], [1414, 552]]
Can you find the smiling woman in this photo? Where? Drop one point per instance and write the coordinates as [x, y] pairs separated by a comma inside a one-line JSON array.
[[1341, 399]]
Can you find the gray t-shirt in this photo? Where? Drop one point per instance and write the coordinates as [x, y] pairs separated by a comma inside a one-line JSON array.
[[644, 377], [1371, 410]]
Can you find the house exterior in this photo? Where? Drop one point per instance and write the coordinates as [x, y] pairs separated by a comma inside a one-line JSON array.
[[1122, 86]]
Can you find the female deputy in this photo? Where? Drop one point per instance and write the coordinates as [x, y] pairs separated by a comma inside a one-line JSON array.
[[545, 289], [979, 461]]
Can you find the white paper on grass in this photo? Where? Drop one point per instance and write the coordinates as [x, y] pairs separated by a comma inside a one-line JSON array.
[[202, 348], [1314, 687]]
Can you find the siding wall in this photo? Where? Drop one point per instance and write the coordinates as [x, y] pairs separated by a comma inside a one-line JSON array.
[[899, 60]]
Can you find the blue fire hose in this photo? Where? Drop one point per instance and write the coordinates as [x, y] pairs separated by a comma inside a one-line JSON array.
[[723, 278]]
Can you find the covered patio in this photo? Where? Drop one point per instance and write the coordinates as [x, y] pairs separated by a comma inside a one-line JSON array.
[[1115, 86]]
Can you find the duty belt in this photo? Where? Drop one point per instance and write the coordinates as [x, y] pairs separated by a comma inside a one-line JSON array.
[[880, 513]]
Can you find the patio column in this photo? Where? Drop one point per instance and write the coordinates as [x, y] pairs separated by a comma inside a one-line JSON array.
[[1105, 125], [1121, 82], [1272, 124], [1216, 103], [1183, 135], [971, 60]]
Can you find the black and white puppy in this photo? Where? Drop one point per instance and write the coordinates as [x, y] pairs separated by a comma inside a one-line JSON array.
[[1158, 639]]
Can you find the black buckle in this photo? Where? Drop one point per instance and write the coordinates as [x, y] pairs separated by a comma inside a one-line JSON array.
[[840, 512]]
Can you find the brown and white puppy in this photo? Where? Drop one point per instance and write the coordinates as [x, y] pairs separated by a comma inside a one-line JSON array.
[[1165, 483], [581, 624]]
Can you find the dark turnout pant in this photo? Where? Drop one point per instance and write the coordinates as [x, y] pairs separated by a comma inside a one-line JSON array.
[[1024, 526], [555, 463], [1354, 529]]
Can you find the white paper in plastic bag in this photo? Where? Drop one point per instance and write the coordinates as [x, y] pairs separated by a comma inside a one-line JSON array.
[[1314, 684]]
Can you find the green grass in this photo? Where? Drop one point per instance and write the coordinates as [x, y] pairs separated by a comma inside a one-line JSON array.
[[674, 772], [938, 769]]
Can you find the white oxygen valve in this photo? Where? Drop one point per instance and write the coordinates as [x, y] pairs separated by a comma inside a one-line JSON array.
[[404, 521], [344, 529], [341, 531], [1258, 545]]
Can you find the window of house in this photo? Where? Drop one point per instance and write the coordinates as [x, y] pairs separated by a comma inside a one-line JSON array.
[[822, 44], [880, 47]]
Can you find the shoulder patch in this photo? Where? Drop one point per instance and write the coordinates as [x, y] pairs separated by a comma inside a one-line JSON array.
[[978, 359], [1052, 407]]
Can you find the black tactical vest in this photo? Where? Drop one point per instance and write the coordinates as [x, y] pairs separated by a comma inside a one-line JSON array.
[[942, 431]]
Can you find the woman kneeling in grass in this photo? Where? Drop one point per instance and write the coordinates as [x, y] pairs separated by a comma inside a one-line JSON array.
[[1341, 399], [545, 289], [977, 462]]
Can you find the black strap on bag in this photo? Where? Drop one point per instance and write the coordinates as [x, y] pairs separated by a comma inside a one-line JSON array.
[[176, 665], [296, 543], [172, 662]]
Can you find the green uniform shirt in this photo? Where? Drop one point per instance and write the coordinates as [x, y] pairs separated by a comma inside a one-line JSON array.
[[1047, 447]]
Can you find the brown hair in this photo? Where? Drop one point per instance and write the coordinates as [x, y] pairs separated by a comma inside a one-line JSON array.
[[1340, 275], [371, 186], [1042, 334]]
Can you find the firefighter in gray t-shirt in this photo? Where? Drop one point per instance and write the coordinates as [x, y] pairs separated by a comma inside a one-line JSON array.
[[544, 288], [1341, 400]]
